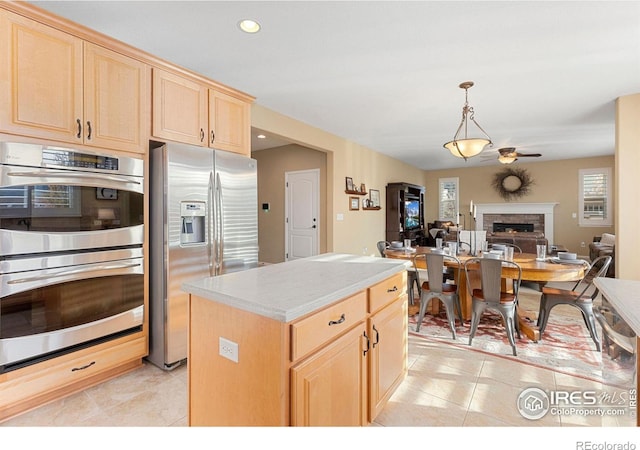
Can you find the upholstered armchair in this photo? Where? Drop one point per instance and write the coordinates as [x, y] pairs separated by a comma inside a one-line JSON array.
[[444, 229], [604, 245]]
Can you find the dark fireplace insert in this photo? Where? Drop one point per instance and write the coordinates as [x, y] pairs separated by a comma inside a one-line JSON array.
[[497, 226]]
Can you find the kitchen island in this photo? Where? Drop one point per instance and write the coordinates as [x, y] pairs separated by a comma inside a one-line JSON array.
[[621, 303], [315, 341]]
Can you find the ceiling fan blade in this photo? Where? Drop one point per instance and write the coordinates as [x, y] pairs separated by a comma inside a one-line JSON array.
[[534, 155]]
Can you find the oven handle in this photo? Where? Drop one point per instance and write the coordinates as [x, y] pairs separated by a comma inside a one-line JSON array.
[[53, 173], [75, 272]]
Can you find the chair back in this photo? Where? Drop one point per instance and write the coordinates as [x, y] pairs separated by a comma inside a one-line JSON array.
[[435, 269], [382, 246], [490, 274], [598, 268]]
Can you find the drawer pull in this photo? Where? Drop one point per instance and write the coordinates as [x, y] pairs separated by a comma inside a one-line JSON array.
[[394, 289], [377, 336], [337, 322], [83, 367]]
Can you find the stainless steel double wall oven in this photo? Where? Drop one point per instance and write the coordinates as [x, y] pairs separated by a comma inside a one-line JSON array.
[[71, 256]]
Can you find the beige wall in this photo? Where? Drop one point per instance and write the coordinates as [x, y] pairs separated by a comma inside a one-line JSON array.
[[555, 181], [272, 166], [627, 201], [358, 231]]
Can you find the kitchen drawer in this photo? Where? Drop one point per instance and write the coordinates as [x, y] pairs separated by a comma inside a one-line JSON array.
[[386, 291], [325, 325], [69, 371]]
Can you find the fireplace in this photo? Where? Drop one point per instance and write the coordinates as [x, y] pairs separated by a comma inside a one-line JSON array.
[[501, 226], [538, 214]]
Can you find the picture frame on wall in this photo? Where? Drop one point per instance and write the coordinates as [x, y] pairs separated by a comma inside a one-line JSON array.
[[374, 197], [354, 203], [349, 184]]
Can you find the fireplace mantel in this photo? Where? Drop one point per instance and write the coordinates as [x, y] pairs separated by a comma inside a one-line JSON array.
[[518, 208]]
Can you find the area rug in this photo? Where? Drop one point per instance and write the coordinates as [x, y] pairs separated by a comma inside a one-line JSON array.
[[565, 347]]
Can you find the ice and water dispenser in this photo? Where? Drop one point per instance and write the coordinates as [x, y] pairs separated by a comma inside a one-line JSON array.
[[193, 217]]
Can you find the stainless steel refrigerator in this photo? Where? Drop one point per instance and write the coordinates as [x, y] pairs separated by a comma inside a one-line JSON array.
[[203, 222]]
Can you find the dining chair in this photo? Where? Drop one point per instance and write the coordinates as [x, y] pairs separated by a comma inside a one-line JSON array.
[[580, 296], [490, 294], [435, 287], [382, 246]]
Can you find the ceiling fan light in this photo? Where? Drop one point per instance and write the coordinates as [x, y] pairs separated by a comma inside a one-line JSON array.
[[467, 148], [506, 159]]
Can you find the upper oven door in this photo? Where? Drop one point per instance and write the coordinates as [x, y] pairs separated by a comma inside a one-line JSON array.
[[45, 209]]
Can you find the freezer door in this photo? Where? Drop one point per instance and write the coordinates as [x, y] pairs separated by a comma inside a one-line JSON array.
[[235, 218], [181, 187]]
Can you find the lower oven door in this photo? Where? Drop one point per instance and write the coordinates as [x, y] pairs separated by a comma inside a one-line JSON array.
[[52, 303]]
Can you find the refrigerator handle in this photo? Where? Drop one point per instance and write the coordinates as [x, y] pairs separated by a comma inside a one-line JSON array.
[[219, 225], [210, 231]]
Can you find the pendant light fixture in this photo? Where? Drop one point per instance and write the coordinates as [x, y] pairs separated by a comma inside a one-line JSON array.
[[466, 147]]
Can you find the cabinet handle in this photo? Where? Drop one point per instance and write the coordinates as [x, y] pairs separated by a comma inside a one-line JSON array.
[[364, 353], [377, 336], [79, 128], [201, 135], [83, 367], [394, 289], [213, 136], [88, 130], [337, 322]]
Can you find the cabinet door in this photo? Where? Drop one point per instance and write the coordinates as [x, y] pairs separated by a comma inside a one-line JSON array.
[[329, 388], [179, 109], [40, 80], [115, 93], [229, 123], [388, 356]]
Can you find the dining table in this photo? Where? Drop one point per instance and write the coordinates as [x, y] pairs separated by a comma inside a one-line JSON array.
[[533, 270]]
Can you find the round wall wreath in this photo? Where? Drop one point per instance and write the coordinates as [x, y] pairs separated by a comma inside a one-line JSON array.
[[512, 183]]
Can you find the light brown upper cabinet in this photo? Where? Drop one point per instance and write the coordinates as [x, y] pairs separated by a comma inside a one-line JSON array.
[[187, 111], [229, 123], [56, 86], [179, 108]]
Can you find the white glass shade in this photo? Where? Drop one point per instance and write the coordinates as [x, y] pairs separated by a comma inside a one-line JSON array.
[[506, 159], [466, 148]]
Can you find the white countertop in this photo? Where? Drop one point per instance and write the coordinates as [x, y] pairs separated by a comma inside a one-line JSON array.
[[289, 290], [624, 295]]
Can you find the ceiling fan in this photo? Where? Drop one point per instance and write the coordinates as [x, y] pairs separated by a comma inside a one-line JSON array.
[[507, 155]]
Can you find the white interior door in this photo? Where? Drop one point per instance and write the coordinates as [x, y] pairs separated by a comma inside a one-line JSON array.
[[302, 213]]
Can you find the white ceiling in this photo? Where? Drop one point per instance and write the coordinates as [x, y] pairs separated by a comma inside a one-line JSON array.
[[386, 74]]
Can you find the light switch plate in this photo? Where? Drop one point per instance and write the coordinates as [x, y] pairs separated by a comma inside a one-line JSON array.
[[228, 349]]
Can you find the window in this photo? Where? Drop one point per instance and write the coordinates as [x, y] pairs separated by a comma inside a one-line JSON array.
[[595, 204], [448, 199]]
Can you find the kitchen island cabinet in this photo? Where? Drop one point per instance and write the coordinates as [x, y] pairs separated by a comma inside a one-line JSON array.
[[319, 341]]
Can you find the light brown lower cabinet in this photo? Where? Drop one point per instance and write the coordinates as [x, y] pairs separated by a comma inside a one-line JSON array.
[[337, 366], [35, 385]]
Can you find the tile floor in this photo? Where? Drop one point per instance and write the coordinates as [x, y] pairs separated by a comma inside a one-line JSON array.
[[445, 386]]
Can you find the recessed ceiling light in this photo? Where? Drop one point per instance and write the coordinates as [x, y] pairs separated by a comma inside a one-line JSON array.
[[249, 26], [261, 136]]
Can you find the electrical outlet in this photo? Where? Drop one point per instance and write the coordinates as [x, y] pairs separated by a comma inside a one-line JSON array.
[[582, 244], [228, 349]]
